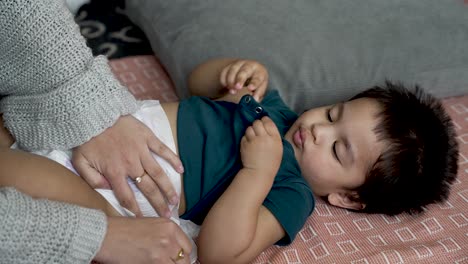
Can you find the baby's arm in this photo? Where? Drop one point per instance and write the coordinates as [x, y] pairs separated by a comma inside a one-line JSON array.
[[229, 79], [40, 177], [238, 228]]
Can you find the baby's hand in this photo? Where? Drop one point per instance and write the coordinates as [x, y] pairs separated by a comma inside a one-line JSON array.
[[245, 73], [261, 147]]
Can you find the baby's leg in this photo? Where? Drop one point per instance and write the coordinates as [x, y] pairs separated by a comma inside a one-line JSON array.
[[40, 177]]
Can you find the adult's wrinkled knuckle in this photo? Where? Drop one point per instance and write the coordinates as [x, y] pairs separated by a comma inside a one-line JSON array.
[[160, 148], [155, 258], [171, 227], [151, 190], [165, 242], [127, 160], [111, 171], [157, 171], [165, 150]]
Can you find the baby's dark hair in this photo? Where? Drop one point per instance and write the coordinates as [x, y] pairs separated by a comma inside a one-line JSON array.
[[420, 160]]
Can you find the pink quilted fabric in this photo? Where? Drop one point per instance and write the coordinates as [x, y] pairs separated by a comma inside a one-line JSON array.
[[333, 235]]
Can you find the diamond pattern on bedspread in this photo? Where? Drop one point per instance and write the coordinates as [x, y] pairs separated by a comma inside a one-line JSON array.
[[333, 235]]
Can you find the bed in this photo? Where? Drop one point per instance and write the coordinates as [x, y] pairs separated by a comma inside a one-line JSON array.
[[330, 235]]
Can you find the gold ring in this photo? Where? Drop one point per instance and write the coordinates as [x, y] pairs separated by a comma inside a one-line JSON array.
[[180, 255], [139, 178]]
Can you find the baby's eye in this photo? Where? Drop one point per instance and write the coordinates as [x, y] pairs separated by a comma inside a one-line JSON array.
[[329, 117], [335, 154]]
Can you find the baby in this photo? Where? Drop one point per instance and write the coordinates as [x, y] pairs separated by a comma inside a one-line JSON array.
[[253, 166]]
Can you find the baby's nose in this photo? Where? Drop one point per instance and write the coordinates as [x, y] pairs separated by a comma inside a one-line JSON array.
[[320, 132]]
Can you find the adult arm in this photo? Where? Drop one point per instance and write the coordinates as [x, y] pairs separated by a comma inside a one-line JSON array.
[[56, 95], [40, 231]]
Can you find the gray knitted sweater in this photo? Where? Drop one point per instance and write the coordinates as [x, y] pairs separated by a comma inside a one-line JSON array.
[[57, 96], [54, 95]]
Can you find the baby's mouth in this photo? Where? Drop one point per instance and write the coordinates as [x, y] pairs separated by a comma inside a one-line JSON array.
[[299, 137]]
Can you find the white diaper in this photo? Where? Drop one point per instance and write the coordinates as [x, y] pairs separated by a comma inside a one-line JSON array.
[[152, 115]]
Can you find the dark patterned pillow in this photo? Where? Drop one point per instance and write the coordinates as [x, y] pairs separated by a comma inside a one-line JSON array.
[[108, 31]]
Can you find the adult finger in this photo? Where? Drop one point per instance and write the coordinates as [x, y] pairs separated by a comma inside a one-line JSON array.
[[123, 193], [152, 192], [159, 148], [92, 176], [161, 179], [185, 246]]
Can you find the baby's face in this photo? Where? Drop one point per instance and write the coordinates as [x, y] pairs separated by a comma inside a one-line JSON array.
[[335, 145]]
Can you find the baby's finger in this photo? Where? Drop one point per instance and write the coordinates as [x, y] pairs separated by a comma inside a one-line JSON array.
[[259, 128], [249, 133], [260, 91], [247, 82], [256, 82], [244, 141], [244, 76], [270, 126], [232, 74], [223, 76]]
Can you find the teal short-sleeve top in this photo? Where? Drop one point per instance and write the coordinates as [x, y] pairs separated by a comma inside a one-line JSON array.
[[209, 134]]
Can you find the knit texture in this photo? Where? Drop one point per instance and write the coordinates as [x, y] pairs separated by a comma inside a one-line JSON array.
[[43, 231], [56, 94]]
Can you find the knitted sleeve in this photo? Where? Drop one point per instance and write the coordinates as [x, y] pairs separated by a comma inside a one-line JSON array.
[[43, 231], [56, 95]]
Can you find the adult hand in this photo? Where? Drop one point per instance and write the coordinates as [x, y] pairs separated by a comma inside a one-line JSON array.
[[124, 150], [245, 73], [143, 240]]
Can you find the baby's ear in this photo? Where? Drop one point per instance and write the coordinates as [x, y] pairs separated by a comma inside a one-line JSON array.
[[347, 200]]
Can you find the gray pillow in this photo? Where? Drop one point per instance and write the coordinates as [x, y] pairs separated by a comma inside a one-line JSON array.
[[318, 52]]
